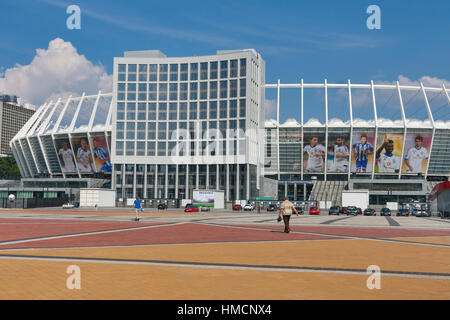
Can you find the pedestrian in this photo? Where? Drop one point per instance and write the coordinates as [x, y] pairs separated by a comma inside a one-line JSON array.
[[137, 207], [286, 209]]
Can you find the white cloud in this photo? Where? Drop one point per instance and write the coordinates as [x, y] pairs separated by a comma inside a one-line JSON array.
[[270, 106], [56, 71]]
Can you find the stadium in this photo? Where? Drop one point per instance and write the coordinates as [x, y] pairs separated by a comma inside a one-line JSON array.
[[391, 139]]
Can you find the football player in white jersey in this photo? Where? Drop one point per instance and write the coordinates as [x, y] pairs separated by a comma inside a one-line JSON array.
[[83, 158], [67, 157], [388, 162], [415, 156], [340, 163], [316, 154]]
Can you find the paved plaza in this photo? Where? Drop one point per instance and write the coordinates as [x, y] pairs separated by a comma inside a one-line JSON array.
[[220, 255]]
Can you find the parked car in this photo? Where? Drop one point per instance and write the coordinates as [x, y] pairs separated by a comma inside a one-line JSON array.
[[205, 208], [420, 213], [271, 207], [334, 210], [369, 212], [314, 210], [249, 207], [68, 206], [162, 206], [343, 210], [299, 210], [352, 210], [191, 208], [358, 210], [403, 212], [385, 212], [237, 207]]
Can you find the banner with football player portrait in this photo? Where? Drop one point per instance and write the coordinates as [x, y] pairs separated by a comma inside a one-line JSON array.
[[338, 152], [417, 148], [101, 154], [388, 155], [362, 150], [83, 155], [314, 153], [65, 155]]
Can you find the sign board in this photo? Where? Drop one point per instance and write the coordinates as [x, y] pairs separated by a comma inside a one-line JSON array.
[[203, 198]]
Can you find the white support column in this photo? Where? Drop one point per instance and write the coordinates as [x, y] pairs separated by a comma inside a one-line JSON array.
[[123, 181], [217, 177], [197, 176], [227, 182], [186, 184], [166, 185], [237, 188], [145, 182], [326, 129], [404, 125], [155, 191], [176, 180], [376, 126], [134, 181], [74, 120], [248, 181], [58, 122], [350, 151], [207, 177], [278, 126], [302, 129], [94, 111], [430, 116]]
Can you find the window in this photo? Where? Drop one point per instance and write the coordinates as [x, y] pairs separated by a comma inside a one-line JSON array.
[[233, 108], [224, 89], [150, 148], [153, 73], [183, 111], [172, 111], [174, 72], [184, 72], [213, 70], [173, 93], [131, 126], [151, 111], [163, 72], [233, 88], [242, 108], [141, 111], [242, 88], [223, 109], [162, 128], [213, 90], [161, 149], [243, 67], [140, 135], [203, 110], [163, 91], [194, 91], [119, 148], [130, 148], [194, 71], [203, 90], [213, 110], [233, 68], [223, 69], [162, 111], [151, 130], [140, 150], [183, 91], [203, 70], [131, 111], [142, 72], [193, 111], [152, 92]]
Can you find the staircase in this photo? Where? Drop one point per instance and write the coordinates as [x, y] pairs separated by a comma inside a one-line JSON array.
[[329, 191]]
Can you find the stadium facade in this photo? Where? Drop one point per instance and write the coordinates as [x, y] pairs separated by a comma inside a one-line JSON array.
[[172, 125]]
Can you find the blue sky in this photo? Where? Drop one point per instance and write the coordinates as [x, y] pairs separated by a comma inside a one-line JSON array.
[[312, 40]]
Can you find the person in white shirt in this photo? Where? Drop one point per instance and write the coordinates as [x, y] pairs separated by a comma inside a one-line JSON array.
[[415, 156], [341, 153], [67, 157], [83, 158], [316, 154], [388, 162]]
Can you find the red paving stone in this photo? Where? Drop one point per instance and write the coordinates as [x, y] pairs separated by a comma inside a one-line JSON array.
[[181, 233], [42, 228], [362, 232]]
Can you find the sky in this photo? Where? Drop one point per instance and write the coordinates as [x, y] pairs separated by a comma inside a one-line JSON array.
[[40, 58]]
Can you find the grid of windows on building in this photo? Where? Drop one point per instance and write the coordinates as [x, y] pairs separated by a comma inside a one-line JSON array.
[[157, 102]]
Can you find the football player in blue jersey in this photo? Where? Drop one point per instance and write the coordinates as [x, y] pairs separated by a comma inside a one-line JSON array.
[[361, 152], [102, 155]]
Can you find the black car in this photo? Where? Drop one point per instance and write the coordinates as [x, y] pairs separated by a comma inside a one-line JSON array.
[[162, 206], [334, 210], [369, 212], [352, 210], [270, 207], [385, 212], [403, 212], [299, 210]]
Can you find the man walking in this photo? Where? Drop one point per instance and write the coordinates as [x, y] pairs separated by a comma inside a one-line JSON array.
[[286, 209], [137, 207]]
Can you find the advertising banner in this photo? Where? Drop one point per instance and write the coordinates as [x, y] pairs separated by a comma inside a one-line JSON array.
[[362, 151], [65, 155], [314, 152], [415, 157], [83, 155], [389, 152], [101, 154], [338, 152]]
